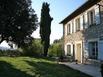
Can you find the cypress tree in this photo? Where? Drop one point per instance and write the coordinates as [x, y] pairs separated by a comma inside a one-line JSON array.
[[45, 27]]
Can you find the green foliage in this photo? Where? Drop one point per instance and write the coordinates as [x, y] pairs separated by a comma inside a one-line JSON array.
[[17, 21], [33, 49], [11, 53], [45, 27], [56, 49]]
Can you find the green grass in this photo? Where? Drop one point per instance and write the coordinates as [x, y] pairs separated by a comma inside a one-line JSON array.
[[35, 67]]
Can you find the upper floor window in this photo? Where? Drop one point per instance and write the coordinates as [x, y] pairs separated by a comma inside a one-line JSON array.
[[68, 29], [78, 24], [91, 17]]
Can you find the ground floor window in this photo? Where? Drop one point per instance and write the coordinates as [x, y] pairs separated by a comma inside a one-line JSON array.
[[93, 50], [68, 50]]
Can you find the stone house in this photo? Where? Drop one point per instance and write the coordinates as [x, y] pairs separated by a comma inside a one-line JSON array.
[[83, 32]]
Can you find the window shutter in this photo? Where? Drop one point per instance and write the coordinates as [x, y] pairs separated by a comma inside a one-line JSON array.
[[97, 15], [81, 22], [86, 20]]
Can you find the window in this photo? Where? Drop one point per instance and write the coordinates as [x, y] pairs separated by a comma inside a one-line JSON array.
[[69, 50], [93, 50], [68, 29], [91, 17], [78, 24]]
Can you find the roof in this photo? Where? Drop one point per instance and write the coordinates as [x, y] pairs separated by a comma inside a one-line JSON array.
[[80, 10]]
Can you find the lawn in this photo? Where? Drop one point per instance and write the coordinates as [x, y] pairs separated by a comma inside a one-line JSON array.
[[35, 67]]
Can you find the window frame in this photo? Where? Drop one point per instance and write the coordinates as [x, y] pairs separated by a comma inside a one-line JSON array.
[[77, 24], [91, 17], [68, 50], [68, 29], [93, 51]]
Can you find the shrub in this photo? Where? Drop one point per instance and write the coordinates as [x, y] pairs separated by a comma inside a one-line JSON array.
[[11, 53], [55, 50], [34, 49]]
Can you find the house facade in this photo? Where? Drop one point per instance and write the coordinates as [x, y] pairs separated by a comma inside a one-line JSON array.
[[83, 32]]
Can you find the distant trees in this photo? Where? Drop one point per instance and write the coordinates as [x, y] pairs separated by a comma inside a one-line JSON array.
[[17, 21], [45, 27], [56, 49], [33, 49]]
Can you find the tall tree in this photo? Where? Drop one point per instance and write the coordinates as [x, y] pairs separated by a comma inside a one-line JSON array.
[[45, 27], [17, 21]]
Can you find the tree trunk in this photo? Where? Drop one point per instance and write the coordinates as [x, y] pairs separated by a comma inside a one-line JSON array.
[[45, 51]]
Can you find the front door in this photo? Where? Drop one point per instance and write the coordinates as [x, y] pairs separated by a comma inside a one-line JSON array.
[[78, 55]]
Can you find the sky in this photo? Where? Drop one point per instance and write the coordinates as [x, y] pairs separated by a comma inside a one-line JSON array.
[[59, 9]]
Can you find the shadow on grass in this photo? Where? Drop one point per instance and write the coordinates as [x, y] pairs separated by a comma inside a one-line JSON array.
[[45, 69], [7, 70], [46, 58]]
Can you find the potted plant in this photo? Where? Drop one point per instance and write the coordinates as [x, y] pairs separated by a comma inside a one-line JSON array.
[[61, 58], [102, 69]]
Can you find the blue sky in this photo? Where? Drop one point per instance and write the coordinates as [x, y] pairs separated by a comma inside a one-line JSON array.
[[59, 9]]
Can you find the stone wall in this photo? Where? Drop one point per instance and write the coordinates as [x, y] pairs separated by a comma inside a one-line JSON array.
[[71, 38], [92, 32]]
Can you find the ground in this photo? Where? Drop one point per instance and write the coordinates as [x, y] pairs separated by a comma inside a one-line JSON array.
[[35, 67]]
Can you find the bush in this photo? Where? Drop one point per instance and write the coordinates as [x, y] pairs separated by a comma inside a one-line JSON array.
[[11, 53], [55, 50], [34, 49]]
